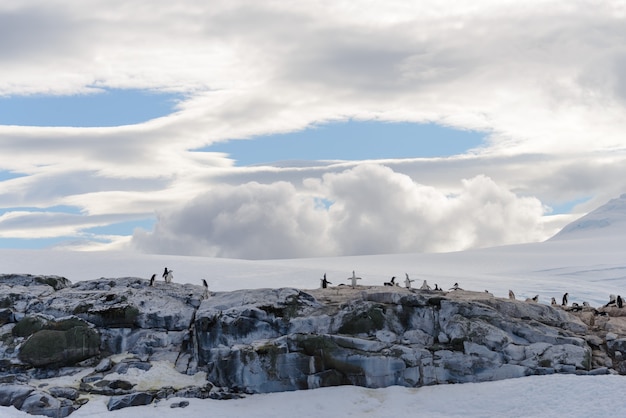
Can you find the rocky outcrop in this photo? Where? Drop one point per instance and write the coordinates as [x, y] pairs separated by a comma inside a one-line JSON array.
[[268, 340], [284, 339]]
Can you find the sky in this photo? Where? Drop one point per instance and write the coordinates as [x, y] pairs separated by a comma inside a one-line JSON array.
[[308, 129]]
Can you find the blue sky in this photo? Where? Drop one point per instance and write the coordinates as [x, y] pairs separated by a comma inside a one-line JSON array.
[[351, 140], [532, 91], [102, 108]]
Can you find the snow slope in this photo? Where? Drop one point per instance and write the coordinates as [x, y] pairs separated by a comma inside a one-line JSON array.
[[586, 259]]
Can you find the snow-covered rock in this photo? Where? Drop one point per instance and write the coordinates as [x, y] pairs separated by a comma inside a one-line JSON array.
[[269, 340]]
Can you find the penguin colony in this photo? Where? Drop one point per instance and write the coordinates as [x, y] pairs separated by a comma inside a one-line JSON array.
[[614, 300]]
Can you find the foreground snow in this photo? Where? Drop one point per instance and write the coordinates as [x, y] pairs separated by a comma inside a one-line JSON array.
[[535, 396]]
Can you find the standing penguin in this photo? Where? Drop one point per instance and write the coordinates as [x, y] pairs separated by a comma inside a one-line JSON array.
[[152, 279], [407, 281], [206, 288], [325, 282], [564, 302], [353, 279]]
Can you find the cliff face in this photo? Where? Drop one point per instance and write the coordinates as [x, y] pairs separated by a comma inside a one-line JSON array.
[[267, 340], [284, 339]]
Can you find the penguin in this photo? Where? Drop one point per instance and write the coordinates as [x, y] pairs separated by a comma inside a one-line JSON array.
[[425, 286], [553, 301], [437, 287], [533, 299], [612, 300], [206, 288], [325, 282], [455, 287], [152, 279], [407, 281], [511, 295], [353, 279], [392, 282], [620, 301], [165, 272], [169, 276], [564, 301], [586, 305]]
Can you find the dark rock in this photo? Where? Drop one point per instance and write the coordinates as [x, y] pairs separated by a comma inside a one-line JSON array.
[[28, 325], [115, 316], [181, 404], [166, 393], [64, 392], [108, 387], [121, 384], [14, 395], [133, 399], [40, 403], [6, 316], [195, 392], [124, 366], [104, 365], [10, 378], [56, 348], [94, 377], [54, 282]]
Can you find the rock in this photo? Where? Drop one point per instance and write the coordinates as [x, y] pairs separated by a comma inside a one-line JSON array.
[[269, 340], [41, 403], [123, 366], [61, 343], [386, 336], [133, 399], [14, 395], [6, 316], [104, 365], [194, 392], [29, 280], [599, 371], [181, 404], [64, 392]]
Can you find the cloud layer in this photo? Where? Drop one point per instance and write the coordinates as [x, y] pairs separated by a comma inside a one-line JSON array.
[[545, 81], [369, 209]]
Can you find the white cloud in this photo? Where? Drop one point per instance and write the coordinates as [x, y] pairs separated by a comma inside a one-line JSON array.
[[372, 210], [247, 221]]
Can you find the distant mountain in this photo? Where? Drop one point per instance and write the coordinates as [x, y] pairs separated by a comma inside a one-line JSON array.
[[608, 220]]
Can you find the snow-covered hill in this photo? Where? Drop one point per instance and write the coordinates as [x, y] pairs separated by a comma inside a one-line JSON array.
[[606, 221]]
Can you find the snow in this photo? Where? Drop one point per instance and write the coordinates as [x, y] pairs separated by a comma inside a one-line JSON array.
[[534, 396], [589, 266]]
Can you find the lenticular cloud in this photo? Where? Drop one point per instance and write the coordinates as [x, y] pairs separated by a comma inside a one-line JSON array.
[[369, 209]]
